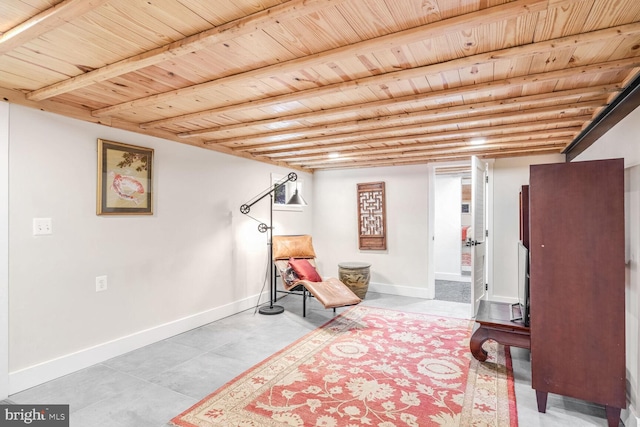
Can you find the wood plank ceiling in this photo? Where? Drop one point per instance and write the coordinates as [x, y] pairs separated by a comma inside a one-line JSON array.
[[325, 84]]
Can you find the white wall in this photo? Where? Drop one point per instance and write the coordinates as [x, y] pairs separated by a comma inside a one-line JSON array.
[[509, 175], [448, 226], [4, 250], [402, 268], [623, 141], [632, 285], [195, 260]]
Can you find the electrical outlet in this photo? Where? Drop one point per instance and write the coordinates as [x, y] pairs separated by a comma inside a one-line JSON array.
[[42, 226], [101, 283]]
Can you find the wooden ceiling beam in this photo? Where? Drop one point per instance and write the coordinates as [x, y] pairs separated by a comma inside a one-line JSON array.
[[399, 144], [565, 135], [468, 133], [45, 21], [438, 158], [597, 97], [324, 133], [489, 151], [554, 142], [427, 119], [472, 108], [617, 110], [532, 78], [493, 14], [508, 53], [247, 24]]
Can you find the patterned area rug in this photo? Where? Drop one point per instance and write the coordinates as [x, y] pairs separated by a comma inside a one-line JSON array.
[[369, 367]]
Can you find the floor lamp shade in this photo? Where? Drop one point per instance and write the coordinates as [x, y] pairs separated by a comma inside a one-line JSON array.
[[296, 199]]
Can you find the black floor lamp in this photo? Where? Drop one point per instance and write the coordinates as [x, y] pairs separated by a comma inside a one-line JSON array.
[[296, 199]]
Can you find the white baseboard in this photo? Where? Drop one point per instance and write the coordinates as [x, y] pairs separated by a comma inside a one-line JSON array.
[[55, 368], [64, 365], [405, 291], [629, 416]]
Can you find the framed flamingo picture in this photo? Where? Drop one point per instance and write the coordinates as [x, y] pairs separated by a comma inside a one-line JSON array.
[[124, 179]]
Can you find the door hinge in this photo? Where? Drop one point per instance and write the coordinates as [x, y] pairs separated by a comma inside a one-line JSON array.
[[486, 233], [486, 179], [486, 286]]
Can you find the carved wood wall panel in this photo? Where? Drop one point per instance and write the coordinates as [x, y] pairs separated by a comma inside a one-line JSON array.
[[372, 227]]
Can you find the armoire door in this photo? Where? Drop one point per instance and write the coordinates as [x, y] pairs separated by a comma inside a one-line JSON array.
[[577, 283]]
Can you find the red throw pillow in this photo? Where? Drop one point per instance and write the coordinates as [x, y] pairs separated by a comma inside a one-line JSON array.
[[305, 270]]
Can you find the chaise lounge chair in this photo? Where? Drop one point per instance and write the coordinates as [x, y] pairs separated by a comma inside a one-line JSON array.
[[294, 258]]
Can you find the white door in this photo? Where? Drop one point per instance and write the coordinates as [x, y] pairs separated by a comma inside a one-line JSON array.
[[479, 245]]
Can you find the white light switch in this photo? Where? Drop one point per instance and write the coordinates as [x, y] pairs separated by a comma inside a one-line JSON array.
[[42, 226]]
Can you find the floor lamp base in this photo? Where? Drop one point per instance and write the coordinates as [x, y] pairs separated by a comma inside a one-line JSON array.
[[273, 309]]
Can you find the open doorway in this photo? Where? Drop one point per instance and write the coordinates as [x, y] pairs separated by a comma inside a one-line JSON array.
[[453, 233]]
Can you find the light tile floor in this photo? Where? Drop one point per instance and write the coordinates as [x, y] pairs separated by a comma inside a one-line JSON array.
[[149, 386]]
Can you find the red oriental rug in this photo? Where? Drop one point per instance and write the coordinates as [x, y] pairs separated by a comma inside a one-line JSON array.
[[369, 367]]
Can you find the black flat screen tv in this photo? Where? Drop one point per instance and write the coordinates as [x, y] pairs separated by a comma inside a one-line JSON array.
[[520, 310]]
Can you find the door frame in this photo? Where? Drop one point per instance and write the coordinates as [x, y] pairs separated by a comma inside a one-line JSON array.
[[431, 210], [490, 228], [479, 199]]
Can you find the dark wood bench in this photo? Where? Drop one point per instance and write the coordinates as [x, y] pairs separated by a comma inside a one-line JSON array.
[[494, 319]]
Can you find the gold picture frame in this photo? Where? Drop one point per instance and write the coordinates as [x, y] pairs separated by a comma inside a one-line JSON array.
[[124, 179]]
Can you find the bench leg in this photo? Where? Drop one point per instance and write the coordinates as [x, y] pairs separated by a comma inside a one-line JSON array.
[[477, 339]]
